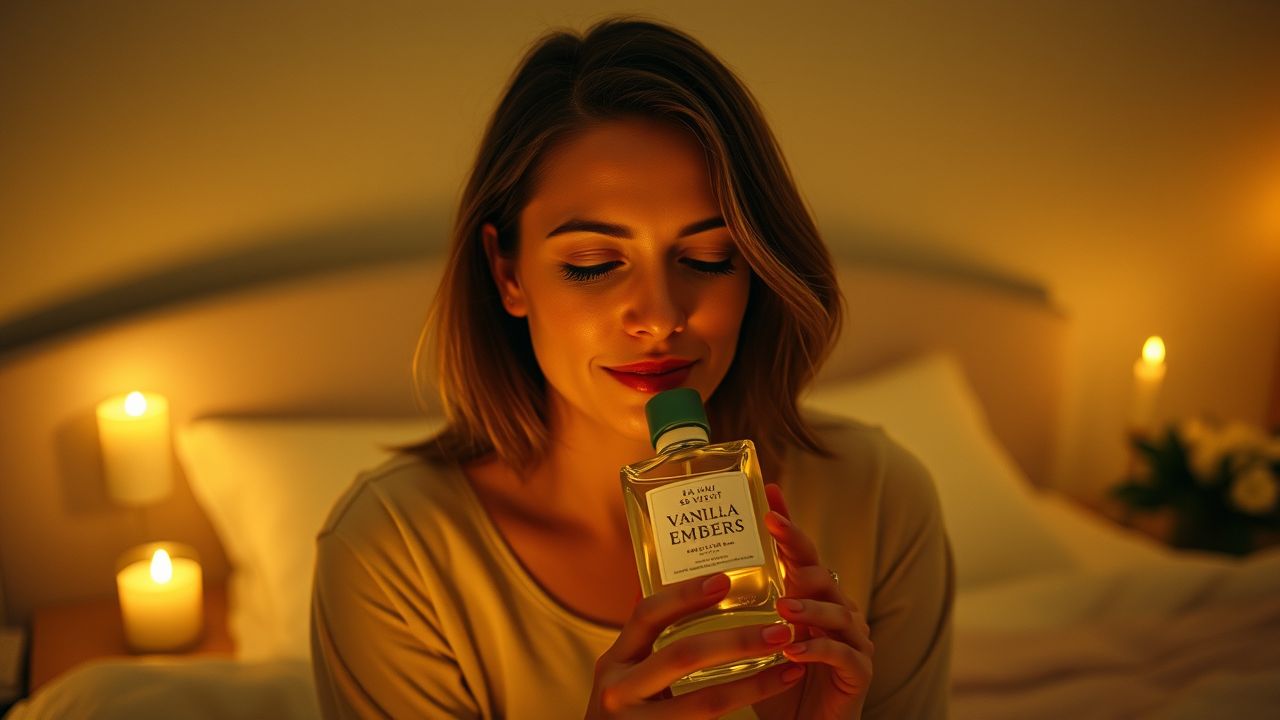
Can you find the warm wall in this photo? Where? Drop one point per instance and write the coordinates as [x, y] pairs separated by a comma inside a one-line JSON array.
[[1124, 155]]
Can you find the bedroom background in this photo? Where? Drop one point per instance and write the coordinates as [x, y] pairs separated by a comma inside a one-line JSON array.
[[1123, 159]]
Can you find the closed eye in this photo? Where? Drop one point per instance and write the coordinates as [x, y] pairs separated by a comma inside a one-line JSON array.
[[723, 267], [587, 273]]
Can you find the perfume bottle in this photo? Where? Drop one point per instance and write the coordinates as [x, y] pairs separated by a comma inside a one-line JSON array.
[[697, 509]]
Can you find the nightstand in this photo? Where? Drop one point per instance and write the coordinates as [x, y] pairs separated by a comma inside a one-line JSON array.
[[66, 635]]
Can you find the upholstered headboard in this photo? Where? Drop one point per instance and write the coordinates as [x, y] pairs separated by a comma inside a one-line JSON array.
[[339, 342]]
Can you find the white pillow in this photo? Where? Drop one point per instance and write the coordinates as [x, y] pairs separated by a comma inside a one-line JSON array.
[[1095, 542], [267, 487], [927, 405]]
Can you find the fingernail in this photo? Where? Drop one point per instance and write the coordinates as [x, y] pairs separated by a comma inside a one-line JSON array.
[[797, 649], [776, 634], [792, 674], [715, 584], [792, 605]]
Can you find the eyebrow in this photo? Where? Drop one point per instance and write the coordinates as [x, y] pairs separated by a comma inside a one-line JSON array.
[[622, 231]]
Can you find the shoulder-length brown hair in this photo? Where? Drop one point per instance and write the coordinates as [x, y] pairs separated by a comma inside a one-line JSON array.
[[491, 387]]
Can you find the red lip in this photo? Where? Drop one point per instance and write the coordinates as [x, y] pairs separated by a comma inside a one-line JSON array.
[[653, 367], [653, 382]]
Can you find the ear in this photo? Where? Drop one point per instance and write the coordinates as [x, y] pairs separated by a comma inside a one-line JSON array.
[[503, 270]]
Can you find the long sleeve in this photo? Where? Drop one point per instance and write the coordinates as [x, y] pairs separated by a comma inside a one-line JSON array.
[[914, 591], [375, 646]]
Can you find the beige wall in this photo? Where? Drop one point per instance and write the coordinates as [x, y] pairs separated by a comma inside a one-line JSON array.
[[1124, 155]]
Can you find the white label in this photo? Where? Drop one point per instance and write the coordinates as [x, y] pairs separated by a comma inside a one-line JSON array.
[[704, 525]]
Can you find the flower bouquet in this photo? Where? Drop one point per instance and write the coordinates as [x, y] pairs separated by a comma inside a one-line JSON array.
[[1221, 483]]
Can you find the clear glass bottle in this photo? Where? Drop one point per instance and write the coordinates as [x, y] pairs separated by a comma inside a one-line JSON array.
[[697, 509]]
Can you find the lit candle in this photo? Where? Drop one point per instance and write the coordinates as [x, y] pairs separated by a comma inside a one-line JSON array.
[[1148, 374], [161, 596], [137, 457]]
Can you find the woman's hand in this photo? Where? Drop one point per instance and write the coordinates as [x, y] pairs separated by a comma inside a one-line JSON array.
[[831, 632], [632, 681]]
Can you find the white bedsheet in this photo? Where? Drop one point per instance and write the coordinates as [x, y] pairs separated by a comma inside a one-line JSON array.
[[164, 688], [1192, 640], [1136, 631]]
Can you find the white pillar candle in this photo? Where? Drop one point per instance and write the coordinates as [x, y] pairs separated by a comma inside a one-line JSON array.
[[137, 457], [161, 592], [1148, 375]]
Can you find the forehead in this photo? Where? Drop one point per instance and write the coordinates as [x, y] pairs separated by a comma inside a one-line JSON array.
[[633, 165]]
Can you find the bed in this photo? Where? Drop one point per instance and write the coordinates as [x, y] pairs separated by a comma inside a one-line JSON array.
[[289, 383]]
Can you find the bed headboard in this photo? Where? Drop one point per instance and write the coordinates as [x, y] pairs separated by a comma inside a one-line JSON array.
[[340, 342]]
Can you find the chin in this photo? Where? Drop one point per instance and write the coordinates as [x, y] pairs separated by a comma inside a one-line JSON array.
[[640, 433], [637, 429]]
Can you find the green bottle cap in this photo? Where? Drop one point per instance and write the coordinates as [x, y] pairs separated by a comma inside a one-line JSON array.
[[674, 408]]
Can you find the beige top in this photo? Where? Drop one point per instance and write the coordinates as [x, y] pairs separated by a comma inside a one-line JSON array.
[[421, 609]]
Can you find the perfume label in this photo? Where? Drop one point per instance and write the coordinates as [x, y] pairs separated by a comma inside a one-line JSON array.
[[704, 525]]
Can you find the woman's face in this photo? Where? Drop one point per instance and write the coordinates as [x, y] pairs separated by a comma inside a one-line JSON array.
[[625, 258]]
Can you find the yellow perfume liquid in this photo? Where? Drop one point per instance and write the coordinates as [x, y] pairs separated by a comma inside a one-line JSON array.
[[697, 509]]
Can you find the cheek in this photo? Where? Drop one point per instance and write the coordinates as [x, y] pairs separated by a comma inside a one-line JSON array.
[[566, 330], [721, 311]]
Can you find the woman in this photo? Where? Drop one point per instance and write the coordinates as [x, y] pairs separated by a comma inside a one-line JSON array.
[[628, 213]]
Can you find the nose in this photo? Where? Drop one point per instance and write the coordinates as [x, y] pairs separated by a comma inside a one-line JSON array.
[[652, 309]]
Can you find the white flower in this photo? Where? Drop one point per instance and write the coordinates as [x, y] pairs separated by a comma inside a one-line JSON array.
[[1243, 436], [1255, 490], [1205, 457], [1193, 431], [1239, 441]]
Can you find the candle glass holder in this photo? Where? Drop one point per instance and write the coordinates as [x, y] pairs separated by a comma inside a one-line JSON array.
[[161, 597], [137, 452]]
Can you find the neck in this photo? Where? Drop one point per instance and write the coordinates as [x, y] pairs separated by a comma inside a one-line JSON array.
[[578, 478]]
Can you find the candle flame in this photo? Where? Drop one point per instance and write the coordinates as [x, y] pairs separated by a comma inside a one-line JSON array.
[[1153, 350], [161, 566], [135, 404]]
